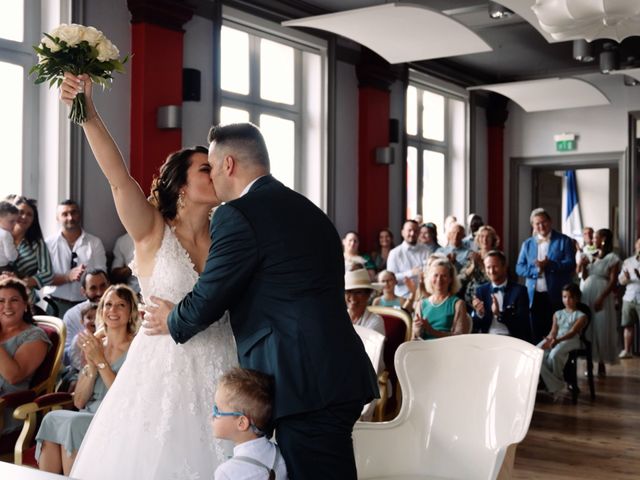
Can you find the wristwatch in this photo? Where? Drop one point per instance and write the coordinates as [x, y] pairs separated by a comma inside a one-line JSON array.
[[101, 365]]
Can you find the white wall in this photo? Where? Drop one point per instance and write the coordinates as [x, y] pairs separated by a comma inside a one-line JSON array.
[[600, 129], [593, 195], [346, 162]]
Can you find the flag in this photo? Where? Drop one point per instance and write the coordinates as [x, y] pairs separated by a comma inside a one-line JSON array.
[[571, 219]]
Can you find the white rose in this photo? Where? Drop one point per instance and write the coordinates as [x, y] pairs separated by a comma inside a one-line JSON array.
[[71, 34], [50, 44], [92, 36], [107, 51]]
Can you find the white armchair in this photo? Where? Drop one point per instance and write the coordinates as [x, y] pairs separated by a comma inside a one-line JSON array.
[[466, 399], [374, 346]]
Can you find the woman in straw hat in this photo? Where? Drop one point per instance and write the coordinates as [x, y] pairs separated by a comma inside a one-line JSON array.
[[357, 292]]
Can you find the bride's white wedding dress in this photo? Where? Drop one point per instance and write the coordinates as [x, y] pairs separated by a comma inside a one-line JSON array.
[[154, 422]]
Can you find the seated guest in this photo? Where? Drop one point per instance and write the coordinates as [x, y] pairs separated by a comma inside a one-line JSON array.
[[62, 431], [385, 244], [122, 256], [474, 222], [428, 236], [501, 306], [474, 274], [8, 252], [449, 220], [353, 260], [76, 357], [563, 337], [72, 252], [93, 284], [357, 291], [23, 346], [33, 264], [388, 298], [242, 414], [441, 314], [455, 251], [407, 259]]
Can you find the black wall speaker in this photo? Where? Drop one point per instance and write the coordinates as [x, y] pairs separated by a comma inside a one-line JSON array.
[[190, 85], [394, 130]]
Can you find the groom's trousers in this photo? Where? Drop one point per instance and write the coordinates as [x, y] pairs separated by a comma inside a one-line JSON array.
[[318, 444]]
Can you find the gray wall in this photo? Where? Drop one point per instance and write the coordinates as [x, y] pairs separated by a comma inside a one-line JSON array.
[[346, 164], [99, 212]]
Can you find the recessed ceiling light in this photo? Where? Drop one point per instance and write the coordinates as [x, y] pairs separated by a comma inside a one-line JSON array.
[[498, 12]]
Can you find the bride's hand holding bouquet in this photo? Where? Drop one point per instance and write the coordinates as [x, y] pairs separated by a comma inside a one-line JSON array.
[[75, 53]]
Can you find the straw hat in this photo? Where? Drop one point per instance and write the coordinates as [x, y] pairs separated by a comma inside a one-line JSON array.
[[359, 280]]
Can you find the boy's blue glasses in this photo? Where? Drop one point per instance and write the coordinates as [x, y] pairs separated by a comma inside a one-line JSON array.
[[218, 413]]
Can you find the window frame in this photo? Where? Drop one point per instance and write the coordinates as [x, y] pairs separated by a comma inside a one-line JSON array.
[[423, 82], [301, 42], [22, 54]]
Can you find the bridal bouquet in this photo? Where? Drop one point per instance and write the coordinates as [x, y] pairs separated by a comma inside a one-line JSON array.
[[76, 49]]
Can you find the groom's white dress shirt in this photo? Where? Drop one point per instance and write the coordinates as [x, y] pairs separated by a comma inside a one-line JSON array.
[[402, 259]]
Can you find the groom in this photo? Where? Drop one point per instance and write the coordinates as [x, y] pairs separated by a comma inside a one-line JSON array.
[[276, 264]]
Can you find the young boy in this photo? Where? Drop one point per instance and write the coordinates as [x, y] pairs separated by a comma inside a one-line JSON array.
[[8, 219], [242, 414]]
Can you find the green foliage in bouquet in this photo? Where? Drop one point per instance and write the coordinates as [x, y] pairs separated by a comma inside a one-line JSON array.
[[76, 49]]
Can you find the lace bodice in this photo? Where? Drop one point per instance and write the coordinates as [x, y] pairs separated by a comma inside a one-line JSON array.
[[170, 257], [159, 407]]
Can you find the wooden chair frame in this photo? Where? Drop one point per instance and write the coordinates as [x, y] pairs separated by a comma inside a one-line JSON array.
[[380, 414]]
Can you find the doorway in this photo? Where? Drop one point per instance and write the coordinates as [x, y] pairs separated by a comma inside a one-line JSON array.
[[534, 182]]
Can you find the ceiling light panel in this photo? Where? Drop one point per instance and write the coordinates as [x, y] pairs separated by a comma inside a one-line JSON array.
[[400, 32]]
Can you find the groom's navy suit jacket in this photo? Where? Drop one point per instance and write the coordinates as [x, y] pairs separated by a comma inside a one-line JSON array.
[[276, 264], [514, 313]]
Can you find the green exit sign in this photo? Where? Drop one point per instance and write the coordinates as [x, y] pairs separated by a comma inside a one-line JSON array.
[[565, 142], [565, 145]]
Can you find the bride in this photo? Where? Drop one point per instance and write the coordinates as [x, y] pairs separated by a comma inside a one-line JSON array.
[[154, 422]]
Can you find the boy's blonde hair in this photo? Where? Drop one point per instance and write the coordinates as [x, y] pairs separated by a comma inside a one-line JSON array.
[[250, 392]]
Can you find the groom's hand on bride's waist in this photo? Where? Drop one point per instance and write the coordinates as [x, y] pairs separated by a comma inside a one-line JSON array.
[[156, 315]]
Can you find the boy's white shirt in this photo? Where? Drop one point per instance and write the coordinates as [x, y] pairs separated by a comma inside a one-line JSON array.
[[8, 252], [260, 449]]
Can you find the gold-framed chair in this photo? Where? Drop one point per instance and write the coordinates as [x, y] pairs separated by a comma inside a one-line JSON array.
[[398, 329], [43, 380]]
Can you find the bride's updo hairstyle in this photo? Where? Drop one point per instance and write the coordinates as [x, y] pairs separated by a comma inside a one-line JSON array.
[[166, 186]]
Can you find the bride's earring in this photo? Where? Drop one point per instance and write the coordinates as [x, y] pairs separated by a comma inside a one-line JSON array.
[[180, 202]]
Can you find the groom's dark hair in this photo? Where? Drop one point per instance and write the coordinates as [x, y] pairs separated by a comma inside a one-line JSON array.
[[242, 137]]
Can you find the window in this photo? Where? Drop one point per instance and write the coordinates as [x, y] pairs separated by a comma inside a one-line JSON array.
[[436, 152], [17, 97], [277, 84]]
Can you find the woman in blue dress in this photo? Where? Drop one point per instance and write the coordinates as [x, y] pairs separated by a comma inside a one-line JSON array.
[[62, 431], [23, 346]]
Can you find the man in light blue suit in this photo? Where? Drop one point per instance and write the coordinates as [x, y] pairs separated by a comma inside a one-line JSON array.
[[547, 262]]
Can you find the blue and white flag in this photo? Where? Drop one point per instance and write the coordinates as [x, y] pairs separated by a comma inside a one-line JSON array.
[[571, 219]]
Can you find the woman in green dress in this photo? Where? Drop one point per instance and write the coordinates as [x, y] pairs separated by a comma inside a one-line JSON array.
[[441, 314]]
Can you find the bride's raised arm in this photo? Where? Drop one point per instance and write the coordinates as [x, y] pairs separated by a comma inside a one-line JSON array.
[[138, 216]]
